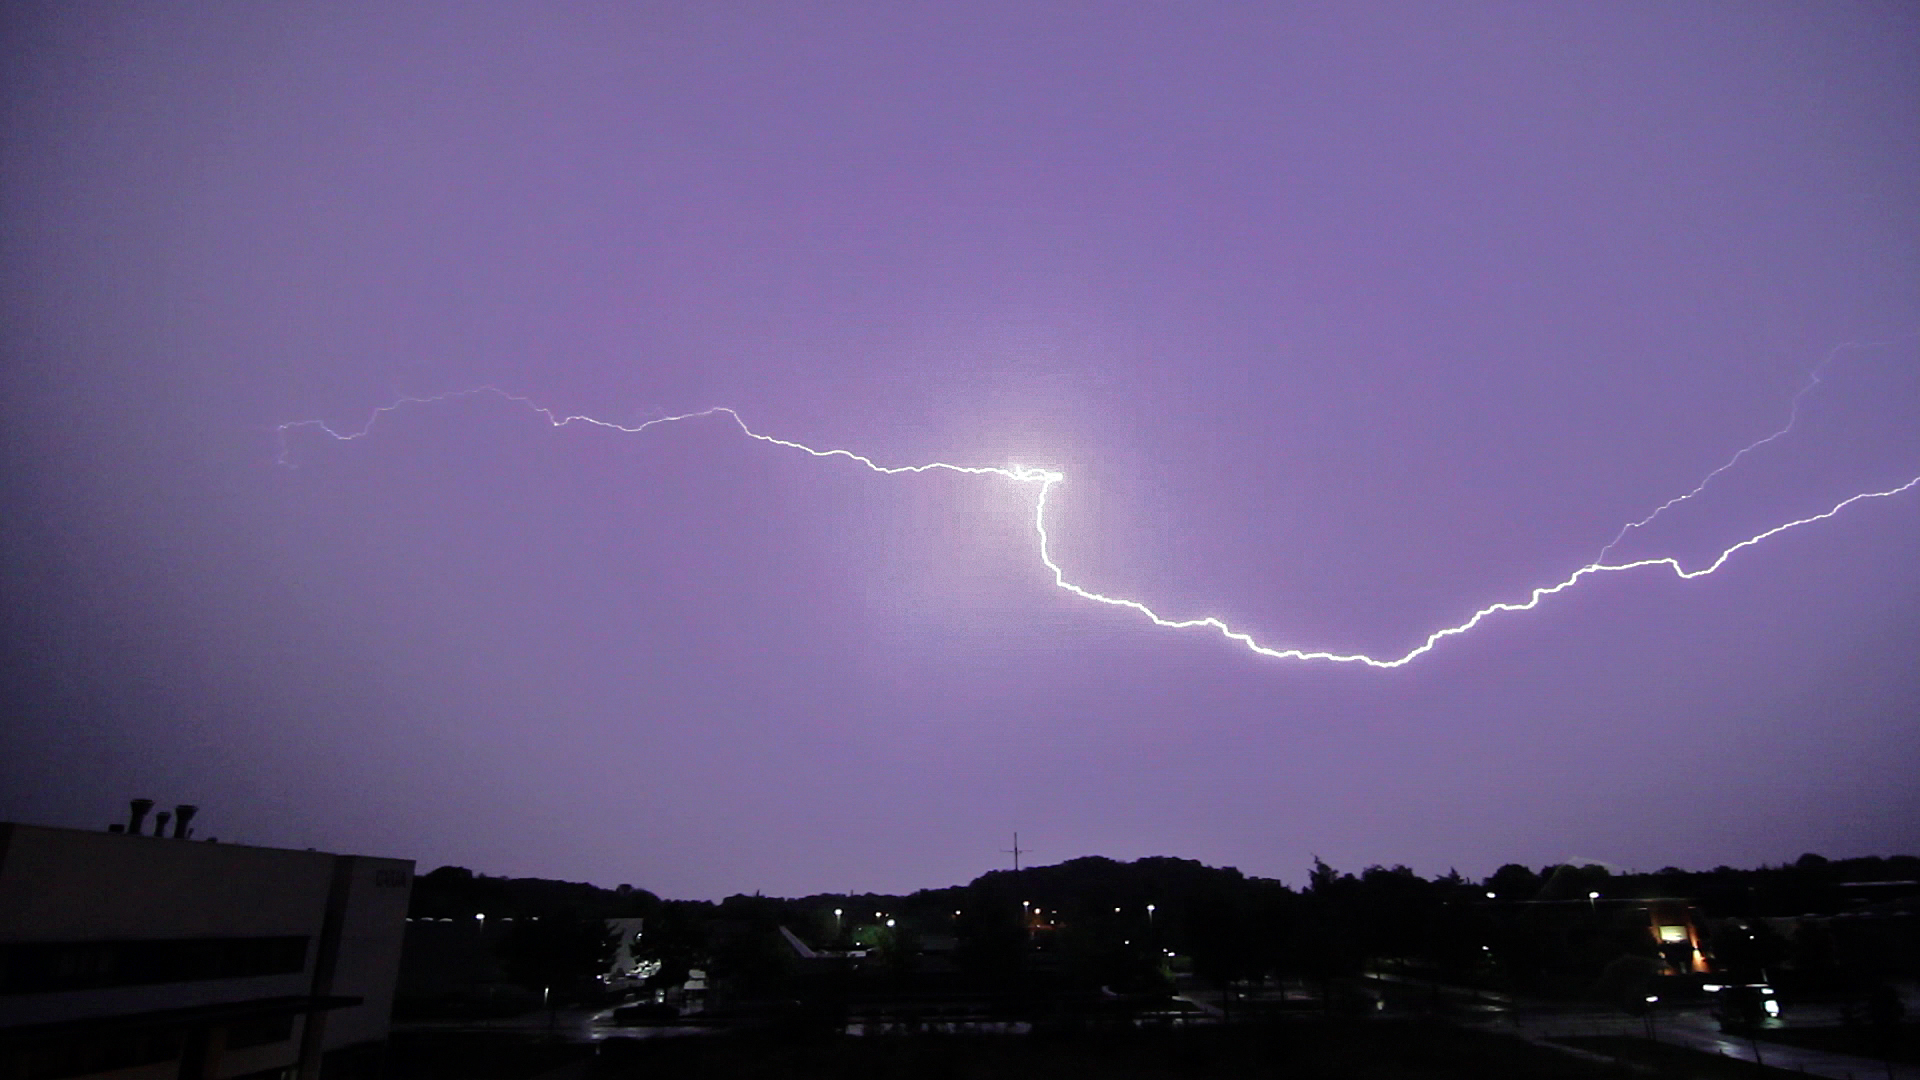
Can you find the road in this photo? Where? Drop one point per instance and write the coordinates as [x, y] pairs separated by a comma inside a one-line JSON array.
[[1693, 1026]]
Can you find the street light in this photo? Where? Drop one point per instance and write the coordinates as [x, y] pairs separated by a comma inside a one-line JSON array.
[[1149, 914], [1491, 895], [836, 922], [1593, 900]]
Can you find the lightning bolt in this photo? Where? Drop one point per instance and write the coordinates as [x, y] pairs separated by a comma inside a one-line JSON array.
[[1046, 480], [1793, 417]]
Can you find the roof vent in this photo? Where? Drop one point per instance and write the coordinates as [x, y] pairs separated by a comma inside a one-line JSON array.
[[139, 816]]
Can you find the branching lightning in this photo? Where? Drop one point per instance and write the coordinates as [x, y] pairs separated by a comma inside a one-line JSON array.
[[1046, 480], [1793, 417]]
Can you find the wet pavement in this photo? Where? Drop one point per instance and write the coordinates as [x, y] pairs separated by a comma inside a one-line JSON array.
[[1691, 1026], [1696, 1029], [562, 1025]]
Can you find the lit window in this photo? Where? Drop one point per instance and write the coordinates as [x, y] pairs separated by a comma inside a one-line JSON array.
[[1673, 935]]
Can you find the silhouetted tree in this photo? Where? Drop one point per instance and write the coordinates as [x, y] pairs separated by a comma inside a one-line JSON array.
[[751, 959], [557, 951], [1325, 944], [1514, 882], [991, 939], [1745, 948], [676, 938]]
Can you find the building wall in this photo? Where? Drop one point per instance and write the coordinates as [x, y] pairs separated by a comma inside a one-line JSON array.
[[627, 932], [113, 896], [369, 957]]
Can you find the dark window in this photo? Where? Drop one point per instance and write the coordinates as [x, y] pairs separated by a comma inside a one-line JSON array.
[[361, 1061], [259, 1031], [39, 967], [82, 1055]]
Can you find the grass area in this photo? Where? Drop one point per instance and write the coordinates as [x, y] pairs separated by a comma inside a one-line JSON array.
[[1316, 1050], [1667, 1059], [1903, 1046]]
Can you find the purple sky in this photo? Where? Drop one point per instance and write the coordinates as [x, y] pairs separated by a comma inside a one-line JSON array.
[[1342, 322]]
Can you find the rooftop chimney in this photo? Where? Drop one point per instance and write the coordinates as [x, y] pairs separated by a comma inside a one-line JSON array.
[[139, 818], [160, 823], [181, 815]]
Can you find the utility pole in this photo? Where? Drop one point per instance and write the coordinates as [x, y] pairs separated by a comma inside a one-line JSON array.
[[1015, 851]]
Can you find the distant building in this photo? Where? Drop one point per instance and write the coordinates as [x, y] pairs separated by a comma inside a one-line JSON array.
[[628, 966], [167, 959], [1676, 936]]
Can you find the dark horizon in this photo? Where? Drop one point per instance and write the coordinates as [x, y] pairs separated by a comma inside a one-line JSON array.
[[1802, 862], [172, 831]]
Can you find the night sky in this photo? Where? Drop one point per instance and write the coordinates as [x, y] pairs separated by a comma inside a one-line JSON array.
[[1341, 323]]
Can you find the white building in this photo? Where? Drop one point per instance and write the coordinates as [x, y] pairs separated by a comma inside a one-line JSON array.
[[628, 967], [140, 958]]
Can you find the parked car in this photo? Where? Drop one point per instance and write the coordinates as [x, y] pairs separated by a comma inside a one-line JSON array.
[[1744, 1007]]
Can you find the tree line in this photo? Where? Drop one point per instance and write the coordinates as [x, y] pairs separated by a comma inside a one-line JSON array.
[[1097, 925]]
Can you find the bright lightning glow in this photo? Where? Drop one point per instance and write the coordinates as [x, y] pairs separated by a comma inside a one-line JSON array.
[[1047, 480]]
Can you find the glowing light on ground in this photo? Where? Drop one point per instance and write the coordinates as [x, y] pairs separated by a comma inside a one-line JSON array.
[[1045, 480]]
